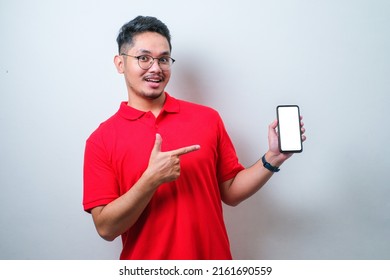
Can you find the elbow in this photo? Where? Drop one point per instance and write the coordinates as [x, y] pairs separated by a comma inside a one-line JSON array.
[[106, 234], [229, 194], [109, 238], [104, 229], [231, 202]]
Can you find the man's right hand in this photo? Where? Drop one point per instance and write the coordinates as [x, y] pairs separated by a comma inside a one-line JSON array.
[[165, 166]]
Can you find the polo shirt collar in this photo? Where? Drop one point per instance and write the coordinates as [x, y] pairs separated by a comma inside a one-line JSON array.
[[171, 105]]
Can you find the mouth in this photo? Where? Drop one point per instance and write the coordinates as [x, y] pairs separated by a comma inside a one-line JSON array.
[[154, 82], [154, 79]]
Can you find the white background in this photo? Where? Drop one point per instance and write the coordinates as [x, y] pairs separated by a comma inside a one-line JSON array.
[[243, 58]]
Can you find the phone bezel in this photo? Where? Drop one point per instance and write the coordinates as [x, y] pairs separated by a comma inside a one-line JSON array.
[[301, 143]]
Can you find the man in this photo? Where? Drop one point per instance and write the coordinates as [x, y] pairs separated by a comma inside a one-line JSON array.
[[156, 171]]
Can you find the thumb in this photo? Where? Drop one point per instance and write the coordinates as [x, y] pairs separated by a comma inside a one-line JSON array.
[[272, 127], [274, 124], [157, 144]]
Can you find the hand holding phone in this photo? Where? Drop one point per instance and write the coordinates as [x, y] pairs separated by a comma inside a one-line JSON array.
[[289, 129]]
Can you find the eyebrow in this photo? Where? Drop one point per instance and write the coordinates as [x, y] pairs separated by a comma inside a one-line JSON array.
[[149, 52]]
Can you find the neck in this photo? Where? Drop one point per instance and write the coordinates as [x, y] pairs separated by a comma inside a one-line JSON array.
[[153, 105]]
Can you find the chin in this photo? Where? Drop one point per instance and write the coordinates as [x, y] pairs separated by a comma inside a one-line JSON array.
[[153, 95]]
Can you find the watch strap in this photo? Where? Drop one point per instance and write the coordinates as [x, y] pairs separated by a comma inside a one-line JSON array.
[[269, 166]]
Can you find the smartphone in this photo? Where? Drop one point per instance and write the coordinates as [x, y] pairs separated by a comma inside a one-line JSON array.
[[289, 129]]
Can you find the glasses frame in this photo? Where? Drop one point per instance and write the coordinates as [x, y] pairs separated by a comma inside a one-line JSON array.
[[153, 58]]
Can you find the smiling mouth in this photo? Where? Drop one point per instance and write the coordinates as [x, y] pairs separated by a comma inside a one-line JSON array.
[[154, 79]]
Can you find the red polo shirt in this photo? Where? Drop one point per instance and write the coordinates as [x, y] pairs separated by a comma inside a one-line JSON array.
[[184, 219]]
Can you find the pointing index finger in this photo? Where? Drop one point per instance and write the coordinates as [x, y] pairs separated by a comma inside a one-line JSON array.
[[185, 150]]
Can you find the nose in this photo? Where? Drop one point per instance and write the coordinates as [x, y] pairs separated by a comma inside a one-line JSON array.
[[155, 66]]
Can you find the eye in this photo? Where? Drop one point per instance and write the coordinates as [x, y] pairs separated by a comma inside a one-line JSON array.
[[164, 60], [144, 58]]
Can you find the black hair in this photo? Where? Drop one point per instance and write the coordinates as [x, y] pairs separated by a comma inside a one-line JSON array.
[[139, 25]]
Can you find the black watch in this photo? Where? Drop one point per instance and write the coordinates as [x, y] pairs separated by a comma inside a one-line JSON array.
[[269, 166]]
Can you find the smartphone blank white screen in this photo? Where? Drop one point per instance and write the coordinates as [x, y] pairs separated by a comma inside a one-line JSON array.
[[289, 128]]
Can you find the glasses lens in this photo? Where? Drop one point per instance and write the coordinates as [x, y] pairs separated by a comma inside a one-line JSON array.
[[165, 62], [145, 61]]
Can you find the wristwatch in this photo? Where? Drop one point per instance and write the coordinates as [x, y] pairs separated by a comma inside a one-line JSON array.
[[269, 166]]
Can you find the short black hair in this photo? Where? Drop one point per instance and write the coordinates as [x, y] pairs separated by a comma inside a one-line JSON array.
[[139, 25]]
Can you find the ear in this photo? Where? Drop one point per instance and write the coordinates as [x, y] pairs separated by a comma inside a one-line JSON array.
[[119, 64]]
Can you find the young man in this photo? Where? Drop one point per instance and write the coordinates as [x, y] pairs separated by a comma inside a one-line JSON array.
[[157, 171]]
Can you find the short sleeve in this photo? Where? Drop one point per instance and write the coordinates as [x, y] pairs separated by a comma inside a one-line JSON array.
[[228, 164], [100, 184]]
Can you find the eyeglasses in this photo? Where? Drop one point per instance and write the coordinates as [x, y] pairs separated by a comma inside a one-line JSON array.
[[146, 61]]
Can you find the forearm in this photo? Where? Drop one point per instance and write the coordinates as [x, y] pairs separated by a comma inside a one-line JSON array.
[[118, 216], [248, 181]]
